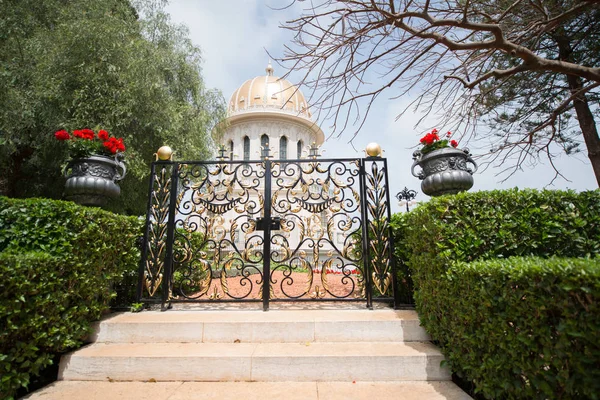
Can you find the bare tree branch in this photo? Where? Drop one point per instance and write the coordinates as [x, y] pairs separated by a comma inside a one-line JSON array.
[[472, 62]]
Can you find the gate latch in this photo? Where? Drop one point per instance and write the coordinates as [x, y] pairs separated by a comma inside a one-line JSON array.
[[275, 224]]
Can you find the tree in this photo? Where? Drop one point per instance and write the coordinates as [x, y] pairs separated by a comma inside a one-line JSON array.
[[83, 63], [521, 66]]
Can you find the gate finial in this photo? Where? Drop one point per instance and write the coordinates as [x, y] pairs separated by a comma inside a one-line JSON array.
[[222, 150], [373, 150], [313, 151], [164, 153]]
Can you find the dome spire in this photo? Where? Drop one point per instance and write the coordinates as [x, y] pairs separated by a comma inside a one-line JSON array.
[[269, 69]]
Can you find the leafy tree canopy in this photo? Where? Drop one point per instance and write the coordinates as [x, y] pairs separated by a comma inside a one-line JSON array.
[[73, 64]]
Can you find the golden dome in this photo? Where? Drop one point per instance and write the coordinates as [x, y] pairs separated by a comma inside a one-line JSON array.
[[269, 92]]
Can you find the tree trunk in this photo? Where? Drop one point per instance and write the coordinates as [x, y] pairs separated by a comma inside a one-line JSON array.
[[587, 125], [15, 176], [582, 108]]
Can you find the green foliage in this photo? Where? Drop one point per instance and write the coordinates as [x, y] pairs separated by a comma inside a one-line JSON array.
[[523, 327], [439, 238], [58, 261], [404, 278], [85, 63]]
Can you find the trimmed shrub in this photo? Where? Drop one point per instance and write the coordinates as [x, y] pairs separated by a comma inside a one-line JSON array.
[[58, 261], [523, 327], [65, 229], [487, 226]]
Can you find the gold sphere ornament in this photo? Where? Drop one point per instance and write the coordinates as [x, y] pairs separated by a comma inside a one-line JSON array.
[[164, 153], [373, 150]]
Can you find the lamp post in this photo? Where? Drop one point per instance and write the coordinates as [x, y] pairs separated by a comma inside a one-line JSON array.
[[406, 195]]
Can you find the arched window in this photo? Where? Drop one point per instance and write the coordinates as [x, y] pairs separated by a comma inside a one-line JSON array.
[[299, 148], [283, 148], [264, 143], [246, 148], [264, 140], [231, 150]]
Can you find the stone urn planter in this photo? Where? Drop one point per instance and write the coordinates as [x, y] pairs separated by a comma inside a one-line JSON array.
[[444, 171], [92, 181]]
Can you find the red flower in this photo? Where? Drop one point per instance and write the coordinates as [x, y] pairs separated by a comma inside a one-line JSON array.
[[453, 143], [85, 142], [110, 145], [114, 145], [120, 145], [449, 134], [87, 134], [429, 138], [62, 135]]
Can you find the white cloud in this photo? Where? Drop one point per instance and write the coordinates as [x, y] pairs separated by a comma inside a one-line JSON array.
[[233, 36]]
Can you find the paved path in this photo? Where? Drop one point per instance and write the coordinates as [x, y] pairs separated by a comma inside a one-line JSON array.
[[73, 390]]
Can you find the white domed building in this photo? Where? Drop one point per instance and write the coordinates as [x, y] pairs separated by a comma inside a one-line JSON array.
[[268, 109]]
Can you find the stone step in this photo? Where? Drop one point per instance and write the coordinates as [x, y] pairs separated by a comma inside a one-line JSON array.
[[72, 390], [300, 362], [255, 326]]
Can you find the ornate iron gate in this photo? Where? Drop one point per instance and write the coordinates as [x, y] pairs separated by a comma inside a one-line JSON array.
[[268, 230]]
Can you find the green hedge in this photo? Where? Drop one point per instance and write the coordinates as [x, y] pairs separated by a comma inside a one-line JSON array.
[[523, 327], [58, 262], [480, 226]]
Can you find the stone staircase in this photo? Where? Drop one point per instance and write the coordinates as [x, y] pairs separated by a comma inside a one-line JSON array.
[[317, 354]]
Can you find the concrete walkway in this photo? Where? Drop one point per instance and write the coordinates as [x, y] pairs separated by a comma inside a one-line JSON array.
[[86, 390]]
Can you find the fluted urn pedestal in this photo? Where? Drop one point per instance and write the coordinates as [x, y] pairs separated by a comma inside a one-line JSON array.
[[92, 181], [444, 171]]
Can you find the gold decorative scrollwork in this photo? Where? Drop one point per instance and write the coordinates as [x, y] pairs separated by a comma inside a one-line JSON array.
[[159, 211], [219, 208], [224, 286], [316, 207], [318, 293], [378, 226], [215, 295], [324, 269], [260, 293]]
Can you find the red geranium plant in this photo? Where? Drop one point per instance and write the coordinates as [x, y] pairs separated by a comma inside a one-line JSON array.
[[85, 142], [431, 141]]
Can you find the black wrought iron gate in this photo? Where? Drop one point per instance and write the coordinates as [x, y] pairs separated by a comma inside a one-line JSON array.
[[268, 230]]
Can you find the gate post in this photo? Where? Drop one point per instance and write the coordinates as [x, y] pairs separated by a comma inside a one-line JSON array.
[[266, 292], [365, 235], [377, 230], [153, 258], [144, 250], [392, 256], [167, 280]]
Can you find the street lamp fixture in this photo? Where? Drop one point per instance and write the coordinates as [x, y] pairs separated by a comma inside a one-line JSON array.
[[406, 195]]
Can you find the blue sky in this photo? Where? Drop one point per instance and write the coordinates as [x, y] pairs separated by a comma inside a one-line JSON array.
[[235, 37]]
